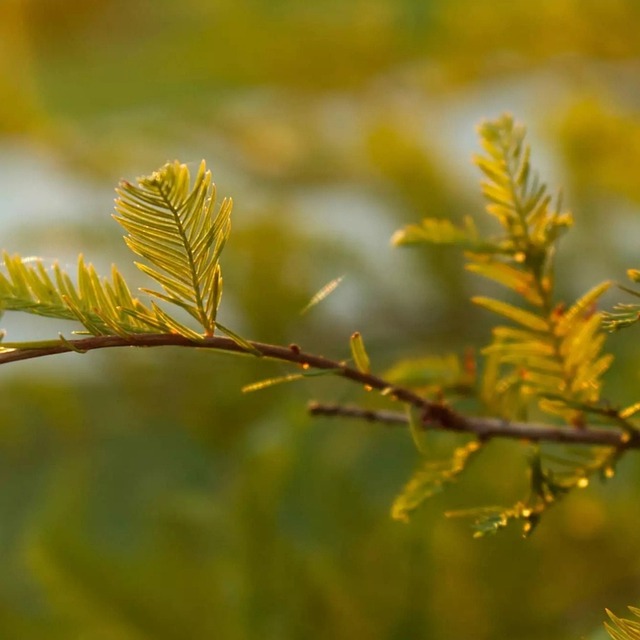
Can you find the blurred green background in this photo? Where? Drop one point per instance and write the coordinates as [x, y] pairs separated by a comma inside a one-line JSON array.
[[142, 496]]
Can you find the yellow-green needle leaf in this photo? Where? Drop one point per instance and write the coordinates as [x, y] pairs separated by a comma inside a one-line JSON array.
[[359, 353], [327, 290], [525, 318]]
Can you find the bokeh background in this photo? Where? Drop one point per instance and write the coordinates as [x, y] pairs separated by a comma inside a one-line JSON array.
[[142, 495]]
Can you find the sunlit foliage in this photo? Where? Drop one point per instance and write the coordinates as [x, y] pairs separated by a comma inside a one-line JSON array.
[[363, 110]]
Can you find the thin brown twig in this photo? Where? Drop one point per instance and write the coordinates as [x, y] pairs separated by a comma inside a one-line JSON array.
[[434, 415], [487, 428], [291, 354]]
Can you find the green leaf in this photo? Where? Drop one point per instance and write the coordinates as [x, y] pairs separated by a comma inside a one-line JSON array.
[[433, 372], [172, 224], [525, 318], [581, 307], [443, 232], [359, 353], [532, 348], [270, 382], [622, 628], [326, 291], [513, 334], [489, 520], [509, 276], [103, 307], [430, 478], [173, 326], [630, 411], [623, 316], [292, 377], [245, 344], [588, 375]]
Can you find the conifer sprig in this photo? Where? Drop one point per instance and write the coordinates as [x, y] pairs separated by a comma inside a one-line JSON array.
[[173, 225], [555, 355], [550, 355], [624, 314], [624, 628], [103, 307]]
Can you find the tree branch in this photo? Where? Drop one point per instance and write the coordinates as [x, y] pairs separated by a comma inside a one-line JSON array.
[[292, 353], [434, 415], [487, 428]]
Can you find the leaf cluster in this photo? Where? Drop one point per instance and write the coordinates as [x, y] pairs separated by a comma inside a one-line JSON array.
[[547, 349], [102, 306], [430, 478], [545, 356], [624, 314], [175, 227], [624, 628]]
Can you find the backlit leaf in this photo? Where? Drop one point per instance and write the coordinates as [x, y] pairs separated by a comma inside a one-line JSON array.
[[580, 307], [430, 478], [359, 353], [509, 276], [525, 318], [173, 225], [327, 290]]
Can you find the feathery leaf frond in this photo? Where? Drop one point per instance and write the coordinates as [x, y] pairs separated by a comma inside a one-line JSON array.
[[443, 231], [172, 224], [435, 374], [104, 307], [549, 350], [548, 356], [431, 478], [549, 482], [489, 520], [624, 314], [323, 293], [624, 628], [557, 351]]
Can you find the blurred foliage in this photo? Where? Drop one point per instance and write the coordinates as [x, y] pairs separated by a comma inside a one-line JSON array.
[[551, 362], [143, 496], [624, 629]]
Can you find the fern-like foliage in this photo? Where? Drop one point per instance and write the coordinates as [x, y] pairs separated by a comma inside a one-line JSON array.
[[103, 306], [489, 520], [432, 477], [549, 354], [624, 314], [546, 487], [553, 354], [545, 356], [443, 231], [551, 477], [436, 376], [174, 226], [624, 628]]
